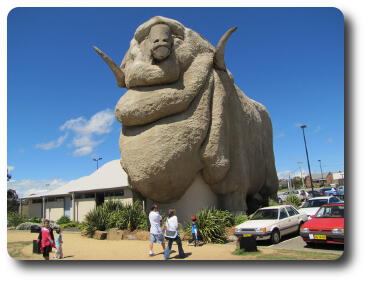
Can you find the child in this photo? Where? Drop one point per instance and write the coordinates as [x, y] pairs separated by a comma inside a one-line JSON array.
[[46, 239], [194, 232], [58, 243]]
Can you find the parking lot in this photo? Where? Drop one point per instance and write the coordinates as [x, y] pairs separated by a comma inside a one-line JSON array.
[[294, 242]]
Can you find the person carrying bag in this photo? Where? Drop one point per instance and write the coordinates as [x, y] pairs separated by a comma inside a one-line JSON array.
[[171, 234]]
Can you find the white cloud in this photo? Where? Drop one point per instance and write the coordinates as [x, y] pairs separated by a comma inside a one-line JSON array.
[[329, 140], [85, 131], [280, 136], [81, 151], [52, 144], [284, 174], [99, 123], [10, 168], [26, 187], [317, 129]]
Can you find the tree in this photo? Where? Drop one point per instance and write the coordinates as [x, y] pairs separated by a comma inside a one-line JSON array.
[[12, 200], [297, 182], [12, 197]]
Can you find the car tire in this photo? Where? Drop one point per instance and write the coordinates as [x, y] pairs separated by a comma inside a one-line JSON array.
[[275, 237]]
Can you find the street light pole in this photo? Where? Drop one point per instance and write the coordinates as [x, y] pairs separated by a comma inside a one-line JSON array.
[[322, 175], [308, 161], [300, 169], [97, 159]]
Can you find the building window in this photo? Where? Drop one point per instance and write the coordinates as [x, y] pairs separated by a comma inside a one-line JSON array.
[[114, 194], [81, 196], [92, 195]]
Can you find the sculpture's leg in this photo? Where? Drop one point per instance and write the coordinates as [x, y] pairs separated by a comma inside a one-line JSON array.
[[234, 202]]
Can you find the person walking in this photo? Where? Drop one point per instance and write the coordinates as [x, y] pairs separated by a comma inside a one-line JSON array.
[[171, 234], [46, 239], [156, 234]]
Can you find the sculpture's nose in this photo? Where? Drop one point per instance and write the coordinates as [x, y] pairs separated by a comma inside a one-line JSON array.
[[163, 39]]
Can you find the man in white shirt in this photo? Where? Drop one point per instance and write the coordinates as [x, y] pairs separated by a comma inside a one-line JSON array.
[[156, 234]]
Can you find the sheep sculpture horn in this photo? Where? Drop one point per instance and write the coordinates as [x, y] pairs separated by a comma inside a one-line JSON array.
[[219, 50], [119, 75]]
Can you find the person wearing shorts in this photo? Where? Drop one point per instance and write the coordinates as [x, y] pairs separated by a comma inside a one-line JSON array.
[[156, 234]]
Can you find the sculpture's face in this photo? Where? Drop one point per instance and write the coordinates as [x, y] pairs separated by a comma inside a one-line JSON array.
[[161, 41]]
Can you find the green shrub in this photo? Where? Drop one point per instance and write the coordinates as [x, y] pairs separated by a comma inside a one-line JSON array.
[[293, 200], [238, 219], [212, 224], [273, 202], [35, 219], [96, 219], [63, 220], [14, 219], [69, 225], [114, 214], [134, 217], [81, 226]]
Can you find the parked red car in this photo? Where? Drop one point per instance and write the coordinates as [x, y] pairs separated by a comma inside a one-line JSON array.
[[326, 226]]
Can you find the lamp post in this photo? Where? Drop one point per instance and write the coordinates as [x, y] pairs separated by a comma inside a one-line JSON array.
[[308, 161], [97, 159], [300, 169], [322, 175]]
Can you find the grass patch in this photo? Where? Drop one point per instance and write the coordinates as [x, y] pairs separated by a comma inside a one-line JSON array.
[[15, 249], [269, 254], [239, 251]]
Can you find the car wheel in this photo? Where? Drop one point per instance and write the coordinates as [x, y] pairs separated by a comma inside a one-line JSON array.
[[275, 237]]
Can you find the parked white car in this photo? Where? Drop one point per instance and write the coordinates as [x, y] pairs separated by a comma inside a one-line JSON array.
[[272, 223], [312, 205], [301, 194]]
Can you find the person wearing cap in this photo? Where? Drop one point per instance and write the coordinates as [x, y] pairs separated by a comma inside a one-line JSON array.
[[194, 232]]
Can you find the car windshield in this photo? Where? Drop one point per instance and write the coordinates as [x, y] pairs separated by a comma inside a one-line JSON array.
[[265, 214], [314, 203], [331, 212]]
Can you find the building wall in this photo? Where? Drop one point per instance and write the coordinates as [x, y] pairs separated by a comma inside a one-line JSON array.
[[35, 210], [82, 207], [127, 198], [197, 197], [54, 209], [25, 210]]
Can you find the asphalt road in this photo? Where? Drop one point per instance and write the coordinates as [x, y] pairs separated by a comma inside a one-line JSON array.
[[293, 242]]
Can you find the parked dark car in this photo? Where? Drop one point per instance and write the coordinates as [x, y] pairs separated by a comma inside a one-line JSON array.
[[313, 194], [35, 229], [324, 191]]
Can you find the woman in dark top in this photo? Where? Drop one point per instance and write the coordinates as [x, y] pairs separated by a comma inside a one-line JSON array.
[[46, 239]]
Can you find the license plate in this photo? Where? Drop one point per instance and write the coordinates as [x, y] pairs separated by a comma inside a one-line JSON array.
[[246, 235], [317, 237]]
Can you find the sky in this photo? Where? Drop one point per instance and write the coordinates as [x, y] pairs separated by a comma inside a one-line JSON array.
[[61, 95]]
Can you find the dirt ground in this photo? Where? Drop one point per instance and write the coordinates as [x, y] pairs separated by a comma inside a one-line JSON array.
[[77, 247]]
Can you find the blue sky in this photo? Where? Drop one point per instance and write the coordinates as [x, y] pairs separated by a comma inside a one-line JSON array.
[[61, 95]]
